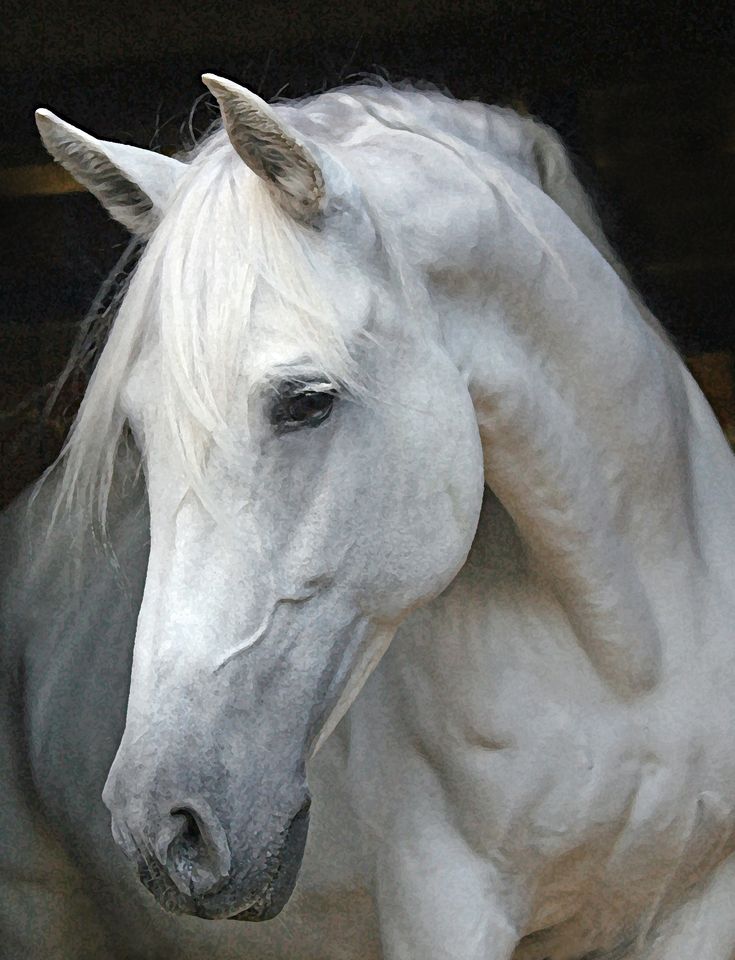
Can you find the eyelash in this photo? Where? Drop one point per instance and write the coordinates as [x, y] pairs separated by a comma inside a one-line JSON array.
[[302, 405]]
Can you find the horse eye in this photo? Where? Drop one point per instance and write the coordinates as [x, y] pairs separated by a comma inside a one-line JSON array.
[[308, 408]]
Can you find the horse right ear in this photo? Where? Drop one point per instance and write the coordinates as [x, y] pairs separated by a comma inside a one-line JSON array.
[[132, 184]]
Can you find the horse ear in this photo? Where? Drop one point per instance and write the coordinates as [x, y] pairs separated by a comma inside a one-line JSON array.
[[269, 149], [132, 184]]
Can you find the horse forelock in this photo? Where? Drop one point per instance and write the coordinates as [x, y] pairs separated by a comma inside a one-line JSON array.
[[187, 308]]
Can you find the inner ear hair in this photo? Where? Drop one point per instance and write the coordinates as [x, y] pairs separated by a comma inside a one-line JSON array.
[[131, 183]]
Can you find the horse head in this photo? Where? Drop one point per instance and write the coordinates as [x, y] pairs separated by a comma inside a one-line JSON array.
[[314, 473]]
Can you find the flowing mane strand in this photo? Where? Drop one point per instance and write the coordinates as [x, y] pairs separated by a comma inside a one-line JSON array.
[[189, 299], [223, 237]]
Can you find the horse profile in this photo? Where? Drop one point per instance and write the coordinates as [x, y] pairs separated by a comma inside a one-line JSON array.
[[418, 640]]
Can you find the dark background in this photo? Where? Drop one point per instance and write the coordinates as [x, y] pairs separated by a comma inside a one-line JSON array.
[[643, 93]]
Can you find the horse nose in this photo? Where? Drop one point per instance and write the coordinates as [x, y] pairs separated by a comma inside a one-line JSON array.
[[192, 848]]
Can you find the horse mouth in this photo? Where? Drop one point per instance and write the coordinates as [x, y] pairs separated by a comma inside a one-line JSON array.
[[234, 899]]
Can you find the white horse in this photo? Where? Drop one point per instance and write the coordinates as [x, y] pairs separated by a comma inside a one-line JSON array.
[[412, 448]]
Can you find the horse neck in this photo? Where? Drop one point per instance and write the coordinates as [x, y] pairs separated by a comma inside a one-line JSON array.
[[596, 441], [582, 359]]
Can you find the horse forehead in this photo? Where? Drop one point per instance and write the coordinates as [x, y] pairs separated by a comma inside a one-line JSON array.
[[344, 305]]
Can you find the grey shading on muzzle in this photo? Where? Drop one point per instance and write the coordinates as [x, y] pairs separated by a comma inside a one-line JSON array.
[[188, 868], [224, 836]]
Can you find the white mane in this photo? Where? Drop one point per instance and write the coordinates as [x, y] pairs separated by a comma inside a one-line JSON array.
[[223, 238], [222, 241]]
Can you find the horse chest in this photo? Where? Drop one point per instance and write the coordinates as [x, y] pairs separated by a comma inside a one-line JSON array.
[[598, 805]]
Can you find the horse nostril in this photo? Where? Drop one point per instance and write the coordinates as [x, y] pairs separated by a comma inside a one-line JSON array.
[[189, 833], [193, 848]]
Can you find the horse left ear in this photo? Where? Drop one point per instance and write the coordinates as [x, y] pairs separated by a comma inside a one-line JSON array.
[[132, 184], [270, 149]]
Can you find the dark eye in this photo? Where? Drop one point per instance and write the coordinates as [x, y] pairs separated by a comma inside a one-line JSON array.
[[305, 408]]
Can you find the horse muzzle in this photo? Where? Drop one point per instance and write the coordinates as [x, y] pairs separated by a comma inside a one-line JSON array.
[[186, 862]]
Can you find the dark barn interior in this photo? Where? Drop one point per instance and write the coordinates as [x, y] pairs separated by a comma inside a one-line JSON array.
[[643, 94]]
